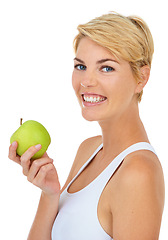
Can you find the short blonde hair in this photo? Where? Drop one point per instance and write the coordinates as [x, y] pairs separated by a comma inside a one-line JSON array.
[[128, 38]]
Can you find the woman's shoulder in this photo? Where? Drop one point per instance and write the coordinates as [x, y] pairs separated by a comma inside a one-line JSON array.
[[86, 149], [142, 164], [89, 145], [141, 172]]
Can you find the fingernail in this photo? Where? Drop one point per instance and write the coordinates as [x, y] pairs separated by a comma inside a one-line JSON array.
[[14, 144], [38, 146]]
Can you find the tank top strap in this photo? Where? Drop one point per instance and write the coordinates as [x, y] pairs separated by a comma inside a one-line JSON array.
[[104, 176]]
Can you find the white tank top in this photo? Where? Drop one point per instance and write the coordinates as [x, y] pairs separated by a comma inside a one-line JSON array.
[[77, 216]]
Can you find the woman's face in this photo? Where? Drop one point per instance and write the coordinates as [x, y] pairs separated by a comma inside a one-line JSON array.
[[104, 85]]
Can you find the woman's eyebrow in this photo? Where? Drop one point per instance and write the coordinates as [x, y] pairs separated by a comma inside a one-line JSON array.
[[99, 61], [105, 60], [79, 60]]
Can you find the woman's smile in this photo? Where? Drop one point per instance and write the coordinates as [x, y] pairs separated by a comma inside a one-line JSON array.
[[90, 99]]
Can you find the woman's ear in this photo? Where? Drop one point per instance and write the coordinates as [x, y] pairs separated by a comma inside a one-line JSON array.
[[145, 73]]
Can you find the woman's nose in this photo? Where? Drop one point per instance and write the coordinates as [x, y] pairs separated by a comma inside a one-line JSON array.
[[89, 80]]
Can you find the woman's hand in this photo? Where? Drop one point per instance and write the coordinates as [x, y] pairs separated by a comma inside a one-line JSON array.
[[40, 172]]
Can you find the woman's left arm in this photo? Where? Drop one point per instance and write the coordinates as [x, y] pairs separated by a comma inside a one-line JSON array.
[[139, 202]]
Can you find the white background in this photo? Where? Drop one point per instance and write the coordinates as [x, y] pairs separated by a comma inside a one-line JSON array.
[[36, 62]]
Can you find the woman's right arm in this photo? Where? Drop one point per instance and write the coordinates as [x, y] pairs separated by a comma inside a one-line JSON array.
[[42, 174]]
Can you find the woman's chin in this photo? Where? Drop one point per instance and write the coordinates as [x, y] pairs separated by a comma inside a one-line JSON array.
[[90, 116]]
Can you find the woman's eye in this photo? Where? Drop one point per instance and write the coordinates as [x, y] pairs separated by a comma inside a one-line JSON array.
[[107, 69], [80, 67]]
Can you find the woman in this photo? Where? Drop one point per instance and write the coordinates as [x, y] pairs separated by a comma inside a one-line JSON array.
[[115, 189]]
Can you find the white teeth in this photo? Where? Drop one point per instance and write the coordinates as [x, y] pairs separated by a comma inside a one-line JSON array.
[[93, 99]]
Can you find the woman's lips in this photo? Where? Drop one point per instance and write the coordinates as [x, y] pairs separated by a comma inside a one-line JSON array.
[[90, 99]]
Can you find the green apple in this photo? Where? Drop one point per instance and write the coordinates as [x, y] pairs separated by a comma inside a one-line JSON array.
[[31, 133]]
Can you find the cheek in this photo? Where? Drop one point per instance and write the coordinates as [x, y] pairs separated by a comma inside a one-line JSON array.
[[75, 82], [121, 88]]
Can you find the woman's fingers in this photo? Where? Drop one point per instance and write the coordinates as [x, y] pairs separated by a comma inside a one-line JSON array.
[[35, 167], [12, 153], [43, 174], [39, 180], [47, 179], [45, 155], [25, 158], [40, 172]]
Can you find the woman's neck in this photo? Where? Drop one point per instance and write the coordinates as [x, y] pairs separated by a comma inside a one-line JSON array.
[[120, 133]]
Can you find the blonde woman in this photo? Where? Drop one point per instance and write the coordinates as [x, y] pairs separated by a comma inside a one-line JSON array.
[[115, 189]]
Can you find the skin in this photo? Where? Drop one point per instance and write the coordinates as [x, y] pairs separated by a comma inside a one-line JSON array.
[[132, 202]]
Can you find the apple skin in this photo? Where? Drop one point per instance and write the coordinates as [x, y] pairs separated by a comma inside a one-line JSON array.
[[31, 133]]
